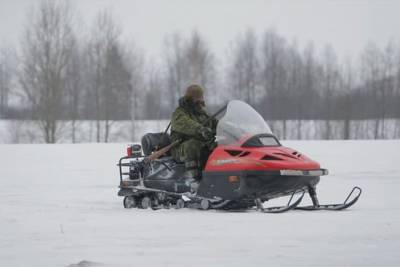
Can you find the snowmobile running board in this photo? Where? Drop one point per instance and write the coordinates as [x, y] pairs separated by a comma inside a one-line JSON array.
[[346, 204]]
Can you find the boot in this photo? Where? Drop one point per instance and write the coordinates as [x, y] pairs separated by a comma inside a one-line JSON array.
[[192, 175], [192, 170], [194, 186]]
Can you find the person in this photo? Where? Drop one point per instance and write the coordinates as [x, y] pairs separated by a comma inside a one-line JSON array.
[[192, 126]]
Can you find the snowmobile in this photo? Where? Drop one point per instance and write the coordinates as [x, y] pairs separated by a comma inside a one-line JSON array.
[[248, 167]]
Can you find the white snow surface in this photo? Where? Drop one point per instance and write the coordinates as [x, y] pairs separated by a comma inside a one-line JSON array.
[[59, 207]]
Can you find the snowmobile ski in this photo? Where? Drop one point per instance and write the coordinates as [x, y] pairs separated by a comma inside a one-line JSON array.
[[356, 191], [280, 209]]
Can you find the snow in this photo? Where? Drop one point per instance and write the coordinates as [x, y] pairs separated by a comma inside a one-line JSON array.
[[59, 207]]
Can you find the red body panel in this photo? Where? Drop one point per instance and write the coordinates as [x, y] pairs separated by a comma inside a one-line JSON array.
[[237, 158]]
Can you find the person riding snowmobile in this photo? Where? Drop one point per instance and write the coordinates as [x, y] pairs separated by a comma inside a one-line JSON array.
[[196, 139]]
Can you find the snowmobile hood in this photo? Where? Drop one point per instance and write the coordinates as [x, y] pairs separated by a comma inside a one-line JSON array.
[[246, 143], [235, 158]]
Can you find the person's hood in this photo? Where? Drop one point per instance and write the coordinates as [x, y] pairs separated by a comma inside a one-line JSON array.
[[189, 107], [186, 105]]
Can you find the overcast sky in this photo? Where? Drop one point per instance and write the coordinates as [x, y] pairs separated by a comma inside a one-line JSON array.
[[348, 25]]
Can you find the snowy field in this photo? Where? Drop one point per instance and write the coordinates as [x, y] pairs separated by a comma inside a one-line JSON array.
[[59, 207]]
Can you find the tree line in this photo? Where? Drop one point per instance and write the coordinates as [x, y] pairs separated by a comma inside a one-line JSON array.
[[61, 73]]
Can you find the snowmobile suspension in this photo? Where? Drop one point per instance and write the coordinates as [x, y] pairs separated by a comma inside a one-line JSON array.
[[313, 195]]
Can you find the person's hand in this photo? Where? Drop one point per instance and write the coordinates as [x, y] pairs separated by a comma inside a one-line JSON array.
[[206, 133]]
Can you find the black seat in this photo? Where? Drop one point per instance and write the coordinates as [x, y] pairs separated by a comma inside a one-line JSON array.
[[154, 141]]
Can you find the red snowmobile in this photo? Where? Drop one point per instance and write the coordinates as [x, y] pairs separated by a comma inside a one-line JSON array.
[[247, 168]]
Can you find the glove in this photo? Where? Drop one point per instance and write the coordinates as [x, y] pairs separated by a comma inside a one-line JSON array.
[[206, 133]]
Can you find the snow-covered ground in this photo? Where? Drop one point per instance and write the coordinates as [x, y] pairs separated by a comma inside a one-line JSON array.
[[59, 207]]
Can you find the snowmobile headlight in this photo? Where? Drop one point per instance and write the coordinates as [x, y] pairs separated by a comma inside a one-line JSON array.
[[291, 172], [304, 172], [233, 179]]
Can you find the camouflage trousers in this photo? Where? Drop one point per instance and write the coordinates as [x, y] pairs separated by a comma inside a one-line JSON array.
[[194, 154]]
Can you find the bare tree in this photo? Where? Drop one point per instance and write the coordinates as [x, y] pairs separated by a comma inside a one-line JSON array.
[[7, 72], [74, 87], [294, 81], [330, 81], [397, 90], [347, 96], [134, 63], [306, 97], [154, 95], [105, 79], [46, 49], [243, 70], [371, 75], [105, 36], [176, 67], [388, 83], [273, 72], [188, 61], [117, 89], [200, 63]]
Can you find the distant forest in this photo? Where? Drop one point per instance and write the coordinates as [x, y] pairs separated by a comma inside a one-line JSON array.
[[59, 71]]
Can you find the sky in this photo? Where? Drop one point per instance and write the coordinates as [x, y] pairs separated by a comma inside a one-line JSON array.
[[347, 25]]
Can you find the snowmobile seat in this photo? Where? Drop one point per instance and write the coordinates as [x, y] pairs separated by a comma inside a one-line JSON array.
[[154, 141]]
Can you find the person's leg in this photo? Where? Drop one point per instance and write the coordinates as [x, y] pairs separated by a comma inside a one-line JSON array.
[[190, 153], [207, 149]]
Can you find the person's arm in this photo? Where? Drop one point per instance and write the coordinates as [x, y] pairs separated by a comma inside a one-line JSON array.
[[182, 123], [214, 123]]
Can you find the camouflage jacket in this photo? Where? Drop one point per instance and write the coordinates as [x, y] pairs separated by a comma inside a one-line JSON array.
[[186, 124]]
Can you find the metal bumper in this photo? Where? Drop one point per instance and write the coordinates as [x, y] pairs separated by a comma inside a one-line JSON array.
[[319, 172]]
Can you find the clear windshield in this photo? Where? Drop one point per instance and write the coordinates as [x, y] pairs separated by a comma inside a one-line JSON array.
[[240, 120]]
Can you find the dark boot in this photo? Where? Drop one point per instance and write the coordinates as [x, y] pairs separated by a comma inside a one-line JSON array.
[[192, 170], [192, 175]]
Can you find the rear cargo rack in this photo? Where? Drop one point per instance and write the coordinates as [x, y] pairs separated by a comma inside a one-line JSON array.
[[125, 164]]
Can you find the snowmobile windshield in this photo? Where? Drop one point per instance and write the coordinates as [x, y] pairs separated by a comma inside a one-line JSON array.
[[240, 121]]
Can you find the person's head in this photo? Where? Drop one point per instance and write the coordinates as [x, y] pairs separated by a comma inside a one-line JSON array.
[[195, 95]]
